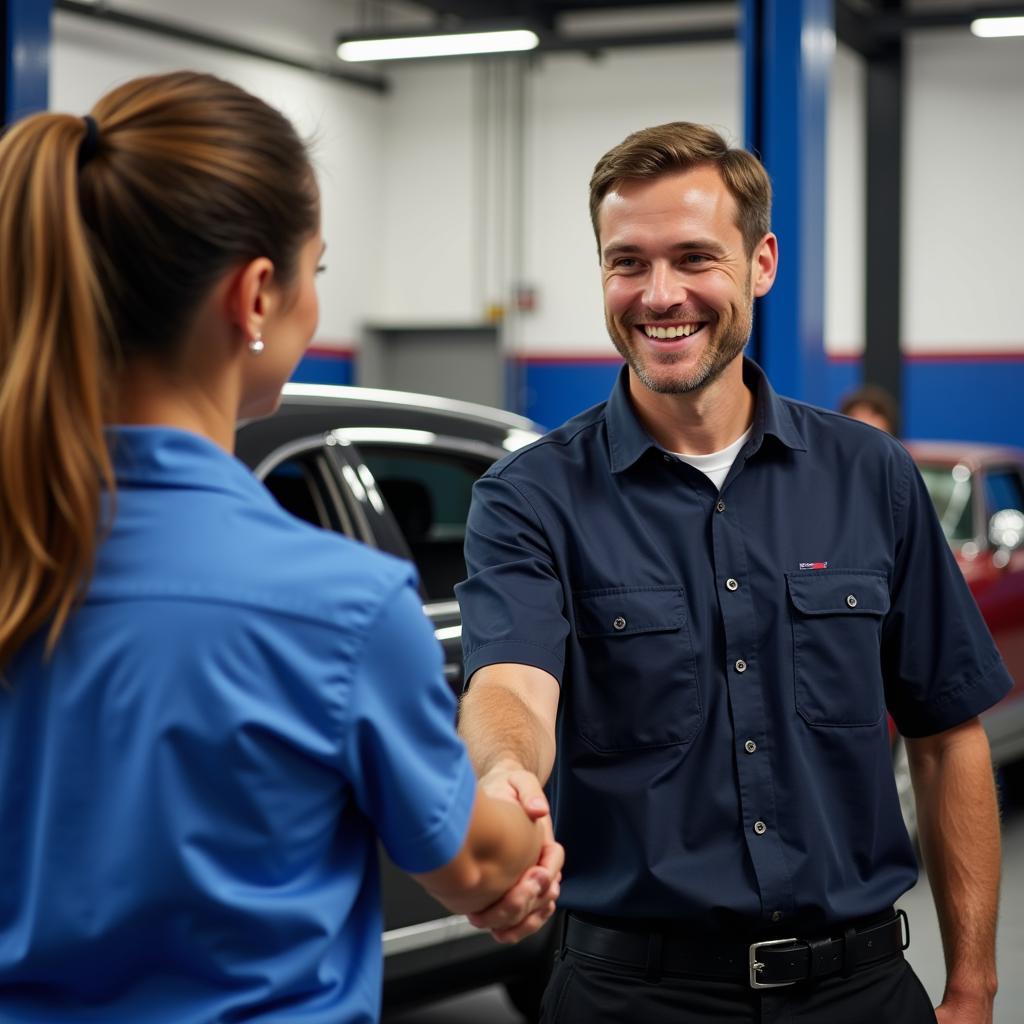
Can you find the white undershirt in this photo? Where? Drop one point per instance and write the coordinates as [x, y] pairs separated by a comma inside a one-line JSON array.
[[716, 466]]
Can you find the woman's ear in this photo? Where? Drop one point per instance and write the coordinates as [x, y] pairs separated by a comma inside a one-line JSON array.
[[249, 297]]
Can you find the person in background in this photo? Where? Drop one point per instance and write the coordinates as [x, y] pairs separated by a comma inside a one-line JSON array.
[[872, 404], [687, 612], [211, 711]]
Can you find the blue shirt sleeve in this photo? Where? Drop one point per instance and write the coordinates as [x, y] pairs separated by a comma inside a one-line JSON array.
[[513, 603], [408, 768], [940, 663]]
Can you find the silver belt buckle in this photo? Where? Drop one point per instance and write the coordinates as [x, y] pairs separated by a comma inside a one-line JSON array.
[[756, 965]]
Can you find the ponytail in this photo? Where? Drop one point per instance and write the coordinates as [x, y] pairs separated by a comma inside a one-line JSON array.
[[54, 461], [112, 232]]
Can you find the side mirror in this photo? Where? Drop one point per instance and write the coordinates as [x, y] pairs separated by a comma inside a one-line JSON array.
[[1006, 532]]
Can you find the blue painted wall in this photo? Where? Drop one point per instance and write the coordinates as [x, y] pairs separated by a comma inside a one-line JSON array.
[[944, 398], [955, 399], [325, 367]]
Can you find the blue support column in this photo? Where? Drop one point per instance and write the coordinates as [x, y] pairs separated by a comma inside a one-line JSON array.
[[788, 50], [24, 57]]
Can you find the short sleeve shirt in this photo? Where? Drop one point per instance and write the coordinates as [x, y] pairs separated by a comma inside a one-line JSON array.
[[193, 785], [727, 659]]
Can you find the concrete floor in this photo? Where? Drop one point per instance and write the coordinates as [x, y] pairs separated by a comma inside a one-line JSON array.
[[925, 951]]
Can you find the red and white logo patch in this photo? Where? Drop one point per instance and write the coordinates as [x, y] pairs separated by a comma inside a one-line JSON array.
[[814, 565]]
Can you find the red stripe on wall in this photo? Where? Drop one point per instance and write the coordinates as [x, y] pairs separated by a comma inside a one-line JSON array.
[[323, 351]]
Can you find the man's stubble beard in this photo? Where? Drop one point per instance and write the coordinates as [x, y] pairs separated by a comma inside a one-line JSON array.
[[717, 354]]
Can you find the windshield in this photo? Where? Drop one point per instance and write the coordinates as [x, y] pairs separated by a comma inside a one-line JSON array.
[[950, 490]]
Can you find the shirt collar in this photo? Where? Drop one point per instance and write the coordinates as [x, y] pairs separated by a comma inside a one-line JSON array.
[[628, 440], [146, 456]]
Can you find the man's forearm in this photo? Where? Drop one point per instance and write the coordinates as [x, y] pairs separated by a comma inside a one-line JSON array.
[[959, 830], [498, 727]]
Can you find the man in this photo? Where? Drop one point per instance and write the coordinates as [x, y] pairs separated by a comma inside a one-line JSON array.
[[695, 602], [871, 404]]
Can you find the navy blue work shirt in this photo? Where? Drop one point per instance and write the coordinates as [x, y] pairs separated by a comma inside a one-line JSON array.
[[726, 659], [192, 787]]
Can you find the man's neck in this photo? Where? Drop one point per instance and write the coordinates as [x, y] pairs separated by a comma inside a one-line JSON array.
[[699, 422]]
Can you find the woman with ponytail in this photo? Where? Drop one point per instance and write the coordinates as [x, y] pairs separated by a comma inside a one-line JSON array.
[[209, 711]]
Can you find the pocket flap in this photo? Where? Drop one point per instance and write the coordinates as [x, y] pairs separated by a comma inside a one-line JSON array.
[[824, 592], [625, 610]]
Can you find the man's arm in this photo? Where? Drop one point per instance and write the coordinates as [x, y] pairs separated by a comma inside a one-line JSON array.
[[959, 830], [507, 719]]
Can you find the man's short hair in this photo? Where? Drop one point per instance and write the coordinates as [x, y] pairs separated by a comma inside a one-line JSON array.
[[684, 146]]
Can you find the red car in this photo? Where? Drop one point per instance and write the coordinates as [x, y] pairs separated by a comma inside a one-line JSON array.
[[978, 491]]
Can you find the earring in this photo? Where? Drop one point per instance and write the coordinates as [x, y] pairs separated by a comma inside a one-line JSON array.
[[256, 345]]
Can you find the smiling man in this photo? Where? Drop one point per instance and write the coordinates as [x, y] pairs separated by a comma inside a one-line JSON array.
[[691, 607]]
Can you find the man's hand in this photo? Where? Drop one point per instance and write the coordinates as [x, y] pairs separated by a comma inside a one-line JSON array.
[[531, 901], [964, 1009]]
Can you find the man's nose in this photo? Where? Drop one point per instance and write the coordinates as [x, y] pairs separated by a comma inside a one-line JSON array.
[[664, 288]]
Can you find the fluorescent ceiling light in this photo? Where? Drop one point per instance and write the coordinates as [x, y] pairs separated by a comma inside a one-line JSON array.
[[993, 28], [452, 45]]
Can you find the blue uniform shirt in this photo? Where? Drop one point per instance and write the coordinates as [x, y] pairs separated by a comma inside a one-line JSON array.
[[191, 789], [726, 659]]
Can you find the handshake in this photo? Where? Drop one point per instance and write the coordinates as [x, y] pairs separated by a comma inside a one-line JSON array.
[[507, 875]]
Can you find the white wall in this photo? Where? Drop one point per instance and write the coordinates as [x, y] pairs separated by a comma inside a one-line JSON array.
[[342, 122], [845, 210], [963, 286], [411, 180]]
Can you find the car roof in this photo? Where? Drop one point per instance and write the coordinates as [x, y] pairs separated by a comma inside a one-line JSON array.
[[333, 394]]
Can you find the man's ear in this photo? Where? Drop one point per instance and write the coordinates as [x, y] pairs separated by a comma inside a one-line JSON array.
[[765, 264], [248, 297]]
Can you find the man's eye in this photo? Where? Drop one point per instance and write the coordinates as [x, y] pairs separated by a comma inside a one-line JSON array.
[[625, 262], [695, 258], [320, 269]]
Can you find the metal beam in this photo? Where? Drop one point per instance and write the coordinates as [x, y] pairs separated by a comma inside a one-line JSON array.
[[24, 57], [171, 30], [883, 248], [788, 50]]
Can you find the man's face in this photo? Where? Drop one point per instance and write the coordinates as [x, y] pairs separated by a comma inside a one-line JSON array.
[[678, 285]]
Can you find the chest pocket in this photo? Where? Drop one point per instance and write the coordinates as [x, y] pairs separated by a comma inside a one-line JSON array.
[[638, 686], [837, 631]]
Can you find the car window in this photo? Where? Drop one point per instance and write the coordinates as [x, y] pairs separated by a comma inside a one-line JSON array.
[[1003, 489], [950, 488], [303, 487], [428, 492]]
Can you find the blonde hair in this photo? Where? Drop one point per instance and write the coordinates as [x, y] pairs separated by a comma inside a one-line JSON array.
[[190, 176]]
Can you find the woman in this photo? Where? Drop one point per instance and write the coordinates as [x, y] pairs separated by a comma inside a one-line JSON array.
[[212, 710]]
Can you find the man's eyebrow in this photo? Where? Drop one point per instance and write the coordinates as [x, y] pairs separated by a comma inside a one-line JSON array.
[[691, 245]]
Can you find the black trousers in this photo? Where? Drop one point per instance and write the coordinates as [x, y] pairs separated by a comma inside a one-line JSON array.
[[583, 990]]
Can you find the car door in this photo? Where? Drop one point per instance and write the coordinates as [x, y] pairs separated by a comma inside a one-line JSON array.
[[1001, 600], [405, 492]]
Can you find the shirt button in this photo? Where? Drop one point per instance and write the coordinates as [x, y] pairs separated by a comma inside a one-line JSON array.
[[776, 916], [619, 623], [750, 746], [731, 584], [667, 458], [720, 507], [760, 827], [851, 600], [741, 665]]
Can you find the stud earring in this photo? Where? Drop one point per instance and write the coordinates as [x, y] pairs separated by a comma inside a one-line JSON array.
[[256, 345]]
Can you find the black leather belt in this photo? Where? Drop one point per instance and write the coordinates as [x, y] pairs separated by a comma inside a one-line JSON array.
[[766, 964]]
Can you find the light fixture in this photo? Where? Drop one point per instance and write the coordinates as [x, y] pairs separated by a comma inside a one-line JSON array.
[[448, 44], [995, 28]]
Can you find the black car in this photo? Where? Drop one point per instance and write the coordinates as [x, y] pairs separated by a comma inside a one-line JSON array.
[[395, 471]]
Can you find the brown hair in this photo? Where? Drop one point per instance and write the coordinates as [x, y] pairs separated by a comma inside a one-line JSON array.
[[189, 176], [684, 146], [876, 399]]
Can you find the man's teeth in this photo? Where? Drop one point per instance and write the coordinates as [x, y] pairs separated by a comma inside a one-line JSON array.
[[671, 332]]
